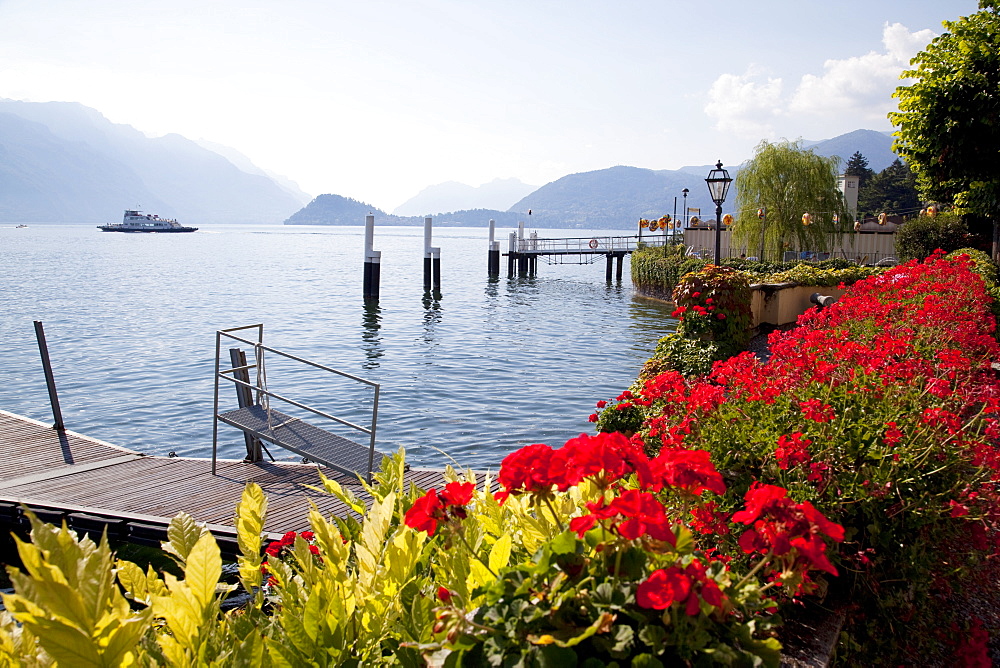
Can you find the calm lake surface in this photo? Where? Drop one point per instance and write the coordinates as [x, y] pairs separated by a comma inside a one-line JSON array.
[[469, 376]]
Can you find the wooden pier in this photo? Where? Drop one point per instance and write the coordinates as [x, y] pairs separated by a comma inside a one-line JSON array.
[[95, 486], [523, 252]]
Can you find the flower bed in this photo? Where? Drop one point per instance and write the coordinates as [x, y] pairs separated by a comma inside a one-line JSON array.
[[882, 411]]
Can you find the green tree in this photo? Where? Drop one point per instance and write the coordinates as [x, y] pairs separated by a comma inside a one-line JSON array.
[[949, 117], [893, 190], [857, 165], [788, 181], [918, 238]]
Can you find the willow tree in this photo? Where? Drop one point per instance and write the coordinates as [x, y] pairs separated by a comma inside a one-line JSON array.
[[786, 182]]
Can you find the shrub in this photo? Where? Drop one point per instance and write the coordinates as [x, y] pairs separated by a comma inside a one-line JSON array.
[[713, 304], [920, 237], [764, 268], [805, 274], [688, 356], [656, 270]]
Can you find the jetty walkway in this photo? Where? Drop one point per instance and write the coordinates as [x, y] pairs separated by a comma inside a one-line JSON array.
[[93, 486], [523, 252]]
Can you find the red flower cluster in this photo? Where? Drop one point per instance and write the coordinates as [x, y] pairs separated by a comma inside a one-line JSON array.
[[792, 450], [689, 585], [444, 506], [791, 531], [275, 548], [538, 469], [635, 513], [816, 410]]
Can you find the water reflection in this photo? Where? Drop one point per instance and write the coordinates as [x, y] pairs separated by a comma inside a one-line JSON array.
[[432, 314], [649, 320], [371, 338], [492, 287]]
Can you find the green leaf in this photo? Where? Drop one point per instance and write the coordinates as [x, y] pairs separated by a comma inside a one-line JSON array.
[[203, 568], [646, 661], [250, 515], [67, 645], [500, 554], [564, 543], [182, 535], [134, 581]]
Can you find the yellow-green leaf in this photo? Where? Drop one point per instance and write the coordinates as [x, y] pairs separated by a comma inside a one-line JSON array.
[[182, 535], [500, 554], [204, 566]]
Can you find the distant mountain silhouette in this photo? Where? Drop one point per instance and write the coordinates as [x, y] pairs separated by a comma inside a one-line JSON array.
[[615, 198], [64, 162], [498, 194], [337, 210], [246, 164], [612, 198], [875, 146]]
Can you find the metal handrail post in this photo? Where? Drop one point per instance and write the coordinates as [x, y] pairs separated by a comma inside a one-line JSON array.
[[50, 379], [371, 447], [215, 405]]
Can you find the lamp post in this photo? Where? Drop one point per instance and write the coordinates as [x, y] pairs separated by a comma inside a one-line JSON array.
[[718, 186], [686, 219]]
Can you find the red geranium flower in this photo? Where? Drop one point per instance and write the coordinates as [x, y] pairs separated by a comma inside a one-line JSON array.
[[662, 588], [425, 513]]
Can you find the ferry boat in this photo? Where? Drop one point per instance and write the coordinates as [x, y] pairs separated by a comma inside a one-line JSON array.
[[137, 221]]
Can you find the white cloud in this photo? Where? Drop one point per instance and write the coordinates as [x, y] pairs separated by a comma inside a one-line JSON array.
[[850, 93], [745, 104], [860, 87]]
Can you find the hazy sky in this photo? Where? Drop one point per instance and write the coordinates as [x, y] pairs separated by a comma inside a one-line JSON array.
[[377, 99]]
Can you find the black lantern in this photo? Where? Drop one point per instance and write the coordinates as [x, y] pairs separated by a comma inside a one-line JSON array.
[[718, 181]]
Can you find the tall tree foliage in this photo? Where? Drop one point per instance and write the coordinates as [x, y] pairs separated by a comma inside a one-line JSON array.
[[857, 165], [787, 181], [893, 190], [949, 117]]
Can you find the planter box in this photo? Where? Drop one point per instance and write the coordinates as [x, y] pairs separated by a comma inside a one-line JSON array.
[[782, 303]]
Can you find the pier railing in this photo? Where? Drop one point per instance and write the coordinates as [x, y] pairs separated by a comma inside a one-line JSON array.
[[258, 419], [589, 245]]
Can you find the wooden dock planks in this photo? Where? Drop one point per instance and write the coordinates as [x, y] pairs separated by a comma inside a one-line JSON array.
[[42, 467]]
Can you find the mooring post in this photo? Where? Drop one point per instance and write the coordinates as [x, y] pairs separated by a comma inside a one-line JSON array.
[[511, 254], [372, 260], [493, 254], [50, 380], [436, 265], [428, 253]]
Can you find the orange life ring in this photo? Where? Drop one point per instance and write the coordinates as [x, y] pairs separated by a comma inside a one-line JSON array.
[[593, 243]]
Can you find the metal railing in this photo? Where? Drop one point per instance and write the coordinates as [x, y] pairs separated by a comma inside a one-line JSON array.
[[259, 389], [588, 245]]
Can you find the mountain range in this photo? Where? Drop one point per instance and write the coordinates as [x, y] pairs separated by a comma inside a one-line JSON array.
[[498, 194], [612, 198], [64, 162]]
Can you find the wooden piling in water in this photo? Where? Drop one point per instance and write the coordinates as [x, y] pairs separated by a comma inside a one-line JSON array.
[[493, 254], [373, 260]]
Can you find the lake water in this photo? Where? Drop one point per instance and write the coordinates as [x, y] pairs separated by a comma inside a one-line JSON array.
[[489, 366]]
